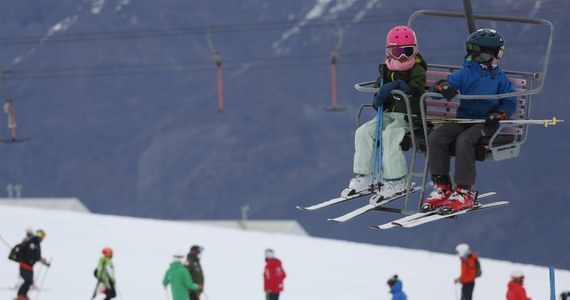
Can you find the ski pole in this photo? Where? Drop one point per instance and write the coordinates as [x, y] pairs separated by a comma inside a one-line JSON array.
[[456, 290], [19, 282], [38, 275], [205, 296], [377, 142], [43, 280], [377, 160], [96, 288], [5, 242], [167, 294], [552, 285], [119, 293], [545, 122]]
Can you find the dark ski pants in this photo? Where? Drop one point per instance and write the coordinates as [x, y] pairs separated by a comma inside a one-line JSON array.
[[110, 292], [464, 137], [272, 296], [194, 296], [28, 276], [467, 290]]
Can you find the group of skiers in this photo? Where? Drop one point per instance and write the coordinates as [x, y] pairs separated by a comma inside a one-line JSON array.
[[470, 271], [405, 69], [186, 280], [185, 275]]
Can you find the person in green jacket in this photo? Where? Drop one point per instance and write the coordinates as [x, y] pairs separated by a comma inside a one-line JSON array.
[[105, 274], [179, 279]]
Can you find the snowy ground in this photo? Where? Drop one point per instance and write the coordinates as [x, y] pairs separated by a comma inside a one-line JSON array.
[[317, 269]]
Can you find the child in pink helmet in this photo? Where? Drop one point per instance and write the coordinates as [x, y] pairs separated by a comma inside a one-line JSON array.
[[403, 69]]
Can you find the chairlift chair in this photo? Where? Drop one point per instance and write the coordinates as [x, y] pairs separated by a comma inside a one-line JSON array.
[[509, 138]]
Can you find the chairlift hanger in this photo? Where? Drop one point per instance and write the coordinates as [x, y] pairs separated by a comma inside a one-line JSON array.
[[10, 110]]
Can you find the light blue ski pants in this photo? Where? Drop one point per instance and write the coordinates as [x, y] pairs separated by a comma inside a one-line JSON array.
[[393, 158]]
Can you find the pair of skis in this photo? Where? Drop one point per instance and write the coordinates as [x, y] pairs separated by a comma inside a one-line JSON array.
[[407, 221], [361, 210], [427, 217], [348, 194]]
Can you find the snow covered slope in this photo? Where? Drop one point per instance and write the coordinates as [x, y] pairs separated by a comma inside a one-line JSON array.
[[233, 261]]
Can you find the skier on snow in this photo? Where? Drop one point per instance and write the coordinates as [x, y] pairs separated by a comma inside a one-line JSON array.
[[193, 260], [31, 253], [404, 69], [468, 270], [273, 276], [105, 274], [516, 289], [396, 288], [179, 279]]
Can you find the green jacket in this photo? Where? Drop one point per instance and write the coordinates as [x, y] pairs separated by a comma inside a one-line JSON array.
[[180, 281], [106, 271], [415, 78]]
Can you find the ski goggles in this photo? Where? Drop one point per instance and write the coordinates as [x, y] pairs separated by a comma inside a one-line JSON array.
[[484, 57], [398, 51], [479, 50]]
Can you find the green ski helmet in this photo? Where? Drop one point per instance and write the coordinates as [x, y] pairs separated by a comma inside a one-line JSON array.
[[485, 44]]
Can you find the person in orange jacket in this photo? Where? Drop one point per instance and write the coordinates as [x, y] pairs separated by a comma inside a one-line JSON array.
[[273, 276], [516, 289], [468, 270]]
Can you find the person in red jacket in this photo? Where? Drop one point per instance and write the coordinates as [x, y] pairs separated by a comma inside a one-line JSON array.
[[516, 290], [273, 276], [468, 271]]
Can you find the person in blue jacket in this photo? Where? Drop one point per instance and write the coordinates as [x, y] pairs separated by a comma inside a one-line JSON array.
[[396, 288], [480, 75]]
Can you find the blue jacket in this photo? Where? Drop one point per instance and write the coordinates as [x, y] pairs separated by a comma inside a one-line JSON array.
[[473, 80], [396, 291]]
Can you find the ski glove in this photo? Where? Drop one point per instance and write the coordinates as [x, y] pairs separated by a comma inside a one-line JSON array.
[[385, 90], [445, 89], [493, 119]]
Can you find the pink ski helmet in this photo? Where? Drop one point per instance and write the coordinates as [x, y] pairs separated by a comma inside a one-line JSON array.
[[401, 36]]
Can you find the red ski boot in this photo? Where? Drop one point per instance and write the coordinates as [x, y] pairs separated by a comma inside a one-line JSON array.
[[437, 198], [460, 199]]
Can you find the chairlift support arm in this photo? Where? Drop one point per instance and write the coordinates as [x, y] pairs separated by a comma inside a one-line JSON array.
[[532, 21]]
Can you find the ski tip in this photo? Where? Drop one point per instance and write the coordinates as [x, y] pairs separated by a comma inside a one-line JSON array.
[[397, 224], [301, 207], [7, 141], [334, 220], [383, 226]]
